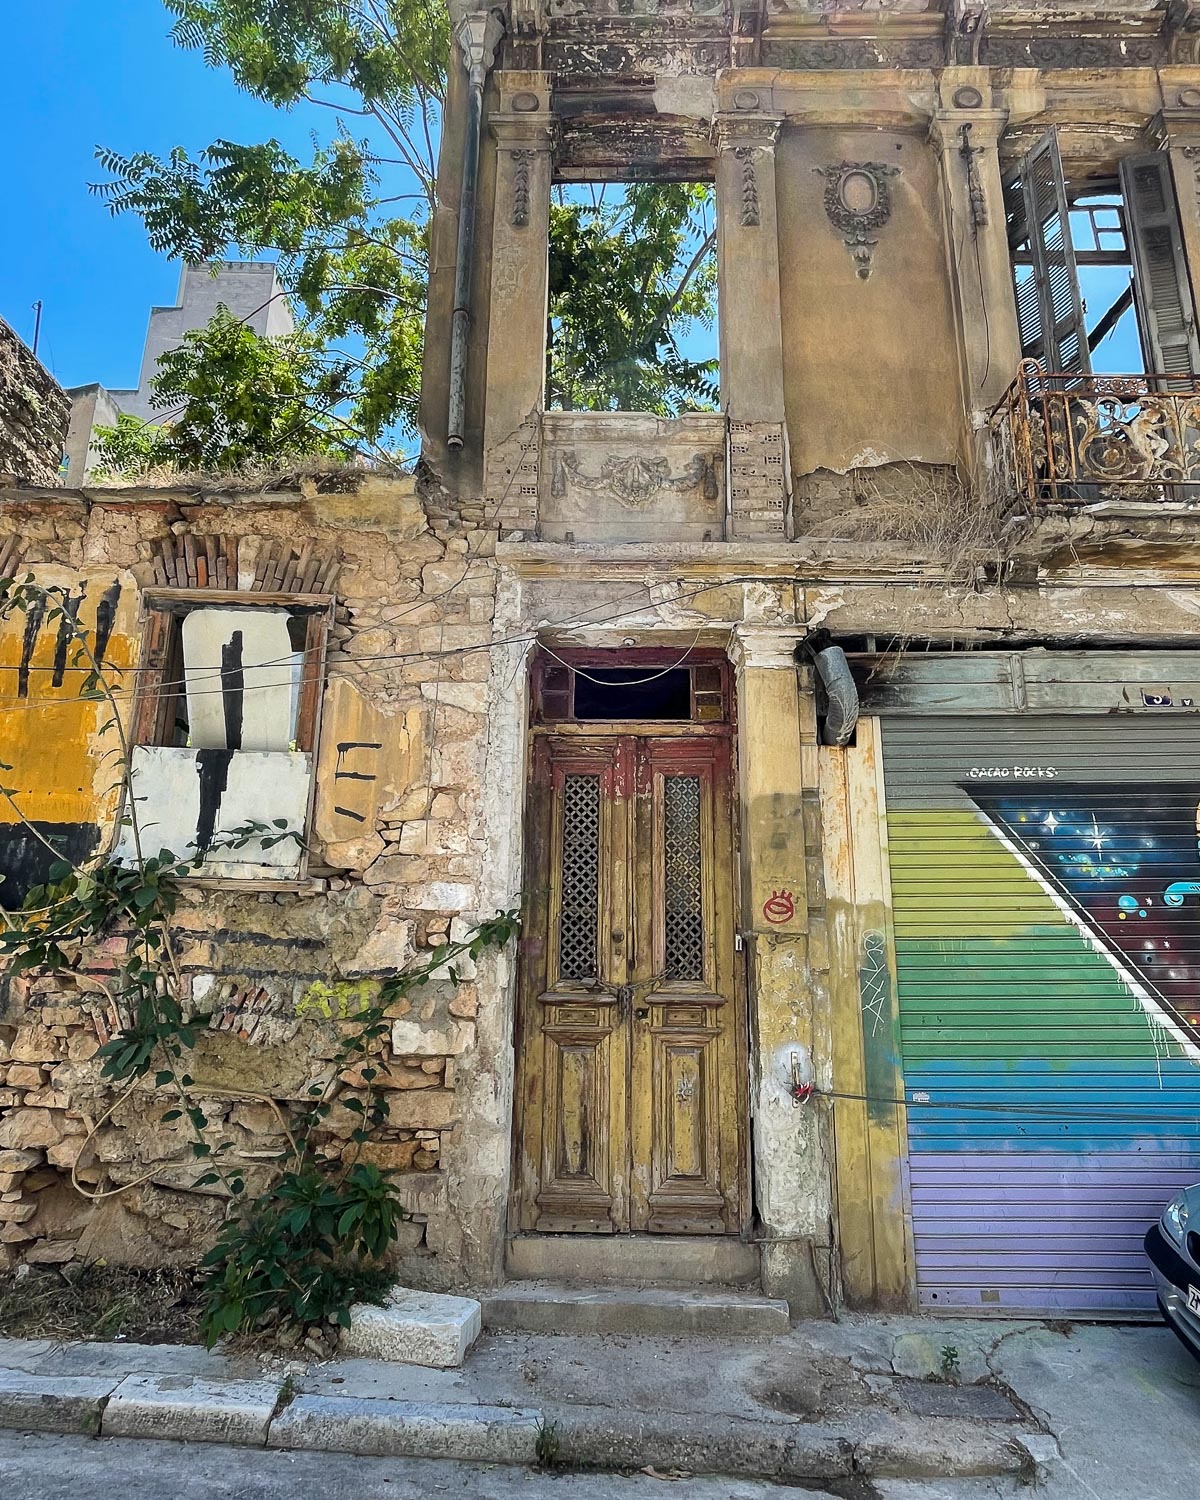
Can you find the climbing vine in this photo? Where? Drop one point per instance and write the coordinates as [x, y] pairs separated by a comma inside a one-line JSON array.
[[297, 1253]]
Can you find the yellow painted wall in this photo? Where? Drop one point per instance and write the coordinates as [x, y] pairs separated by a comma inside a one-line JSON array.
[[49, 737]]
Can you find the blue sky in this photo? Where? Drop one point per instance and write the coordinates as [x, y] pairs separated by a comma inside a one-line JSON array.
[[82, 74]]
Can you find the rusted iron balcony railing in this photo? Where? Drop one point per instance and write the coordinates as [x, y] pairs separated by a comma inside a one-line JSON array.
[[1078, 439]]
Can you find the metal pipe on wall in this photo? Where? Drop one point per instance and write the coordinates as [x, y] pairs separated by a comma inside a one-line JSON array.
[[477, 37]]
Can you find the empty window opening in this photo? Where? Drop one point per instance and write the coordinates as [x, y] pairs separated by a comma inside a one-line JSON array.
[[632, 320], [591, 693], [625, 693], [1101, 242], [1101, 278]]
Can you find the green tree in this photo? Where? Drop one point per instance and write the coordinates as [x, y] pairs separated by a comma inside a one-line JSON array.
[[351, 226], [630, 275], [226, 397]]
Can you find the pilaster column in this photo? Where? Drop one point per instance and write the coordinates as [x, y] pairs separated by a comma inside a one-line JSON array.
[[783, 930], [525, 136], [751, 323], [967, 142], [1177, 131]]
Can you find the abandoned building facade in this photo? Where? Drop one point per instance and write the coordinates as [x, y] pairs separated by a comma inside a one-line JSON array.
[[840, 745]]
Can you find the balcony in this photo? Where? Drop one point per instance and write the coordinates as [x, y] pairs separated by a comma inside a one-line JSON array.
[[1082, 439]]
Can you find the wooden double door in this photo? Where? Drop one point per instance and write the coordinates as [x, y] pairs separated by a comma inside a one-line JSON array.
[[630, 1068]]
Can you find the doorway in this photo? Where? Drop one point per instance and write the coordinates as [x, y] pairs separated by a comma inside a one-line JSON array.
[[630, 1108]]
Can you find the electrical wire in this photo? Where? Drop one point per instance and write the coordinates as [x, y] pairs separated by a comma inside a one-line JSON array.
[[529, 636]]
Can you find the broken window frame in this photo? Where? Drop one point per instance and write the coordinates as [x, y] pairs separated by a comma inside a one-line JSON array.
[[160, 685], [1040, 197]]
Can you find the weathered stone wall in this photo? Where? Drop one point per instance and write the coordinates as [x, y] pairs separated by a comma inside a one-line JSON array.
[[34, 412], [396, 861]]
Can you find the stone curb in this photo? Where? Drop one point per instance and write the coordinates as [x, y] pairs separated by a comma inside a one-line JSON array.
[[889, 1448], [408, 1429], [54, 1403], [191, 1410], [247, 1413]]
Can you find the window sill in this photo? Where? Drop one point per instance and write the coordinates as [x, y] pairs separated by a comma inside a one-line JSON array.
[[310, 886]]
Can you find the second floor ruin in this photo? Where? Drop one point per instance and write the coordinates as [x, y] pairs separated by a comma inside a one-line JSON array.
[[956, 246]]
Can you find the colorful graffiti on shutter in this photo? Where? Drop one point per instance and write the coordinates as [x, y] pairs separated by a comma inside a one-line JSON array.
[[1048, 955]]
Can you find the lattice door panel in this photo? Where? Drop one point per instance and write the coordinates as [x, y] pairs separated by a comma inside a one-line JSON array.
[[579, 875], [683, 892]]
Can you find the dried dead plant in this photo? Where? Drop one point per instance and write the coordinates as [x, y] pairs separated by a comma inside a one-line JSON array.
[[965, 528]]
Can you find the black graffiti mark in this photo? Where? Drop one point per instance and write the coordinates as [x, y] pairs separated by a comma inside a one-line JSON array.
[[233, 688], [106, 614], [33, 623], [347, 813], [212, 767], [66, 629], [343, 749]]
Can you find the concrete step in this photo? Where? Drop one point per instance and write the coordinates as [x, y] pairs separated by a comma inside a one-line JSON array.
[[557, 1307], [633, 1259]]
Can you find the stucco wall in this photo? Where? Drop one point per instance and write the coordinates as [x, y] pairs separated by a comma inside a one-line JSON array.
[[870, 369]]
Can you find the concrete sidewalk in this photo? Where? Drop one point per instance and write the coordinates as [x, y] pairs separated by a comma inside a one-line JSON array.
[[827, 1402]]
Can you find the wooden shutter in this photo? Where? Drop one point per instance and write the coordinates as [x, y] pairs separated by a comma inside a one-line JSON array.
[[1166, 311], [1049, 307]]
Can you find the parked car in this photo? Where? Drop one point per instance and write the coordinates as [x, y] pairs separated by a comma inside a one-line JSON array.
[[1173, 1245]]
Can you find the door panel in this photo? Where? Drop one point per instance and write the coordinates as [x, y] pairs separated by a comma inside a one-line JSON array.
[[684, 1112], [629, 1074]]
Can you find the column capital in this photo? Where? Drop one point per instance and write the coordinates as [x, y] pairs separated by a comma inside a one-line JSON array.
[[526, 132], [753, 646], [1175, 127], [986, 127], [758, 132]]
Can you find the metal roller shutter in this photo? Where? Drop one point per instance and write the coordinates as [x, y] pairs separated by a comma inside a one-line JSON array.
[[1045, 885]]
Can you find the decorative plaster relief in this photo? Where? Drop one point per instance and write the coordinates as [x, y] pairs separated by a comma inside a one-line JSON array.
[[1193, 155], [634, 481], [858, 200], [522, 160], [751, 211]]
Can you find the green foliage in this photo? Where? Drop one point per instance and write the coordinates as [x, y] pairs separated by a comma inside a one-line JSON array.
[[131, 447], [629, 277], [228, 397], [292, 1256], [357, 269]]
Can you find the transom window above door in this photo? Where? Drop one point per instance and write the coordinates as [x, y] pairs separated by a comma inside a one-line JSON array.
[[651, 686]]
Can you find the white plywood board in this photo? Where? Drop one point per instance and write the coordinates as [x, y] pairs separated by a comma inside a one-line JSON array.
[[262, 686], [171, 787]]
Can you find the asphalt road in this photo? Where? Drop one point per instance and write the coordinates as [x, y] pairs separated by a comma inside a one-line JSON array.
[[39, 1466]]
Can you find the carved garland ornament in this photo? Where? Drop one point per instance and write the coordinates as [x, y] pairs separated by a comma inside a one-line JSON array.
[[634, 481], [751, 211], [858, 200], [522, 160]]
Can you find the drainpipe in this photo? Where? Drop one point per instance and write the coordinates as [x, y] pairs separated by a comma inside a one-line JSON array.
[[841, 692], [477, 36]]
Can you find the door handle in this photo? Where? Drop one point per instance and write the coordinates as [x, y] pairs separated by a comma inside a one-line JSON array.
[[641, 1012]]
